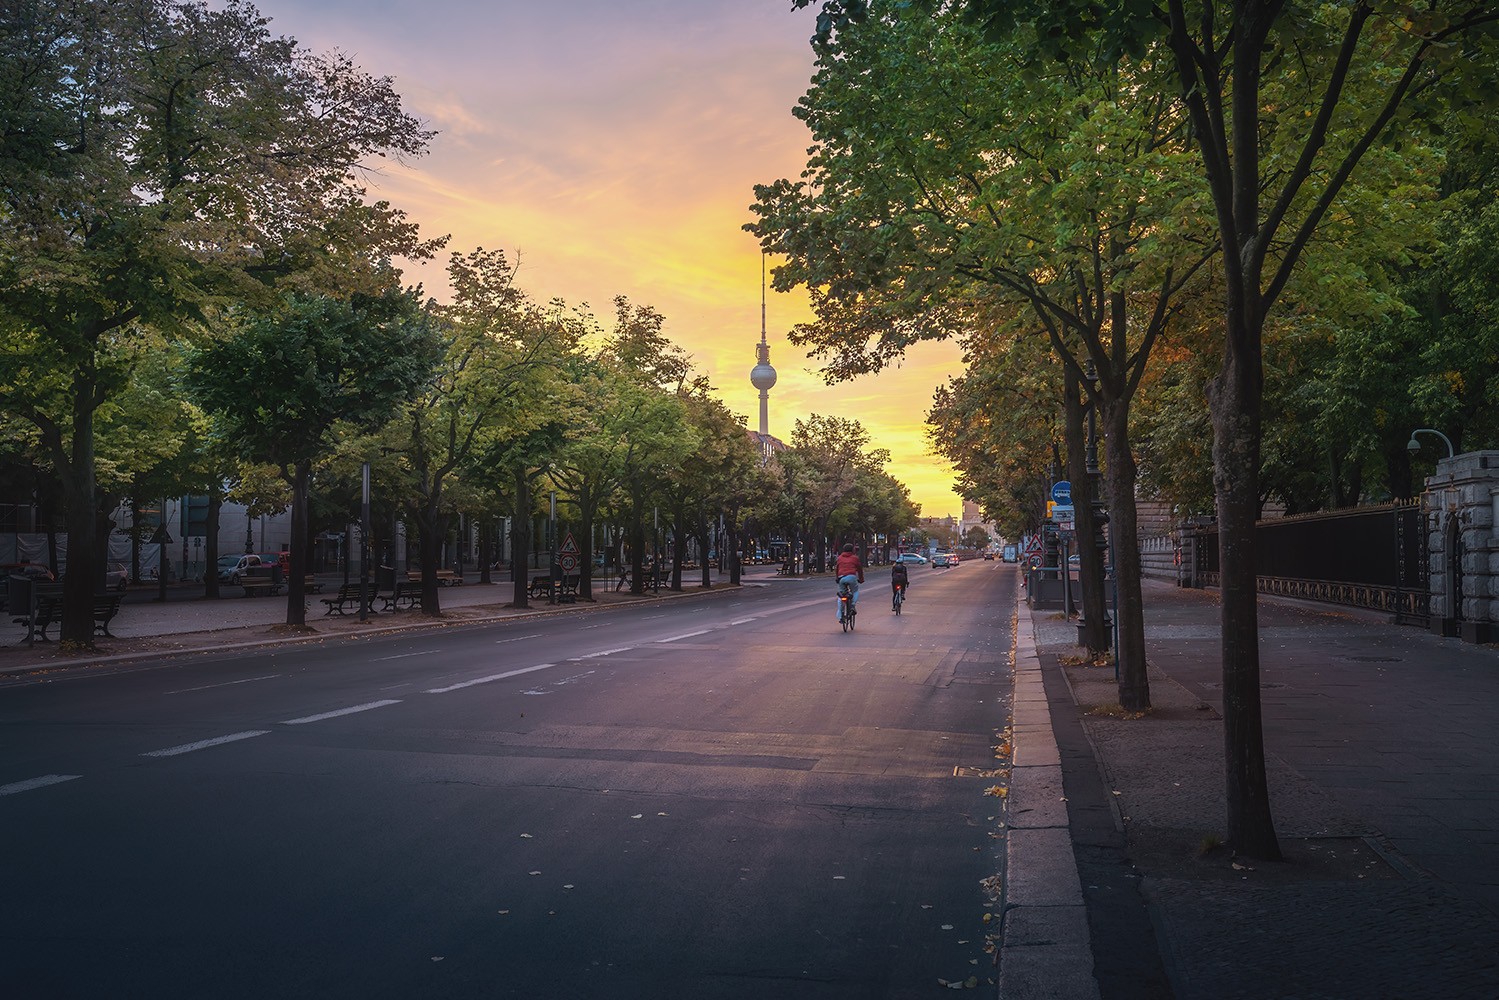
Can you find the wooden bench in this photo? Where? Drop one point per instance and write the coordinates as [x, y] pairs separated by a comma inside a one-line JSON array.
[[312, 585], [567, 592], [257, 585], [445, 577], [49, 612], [348, 596], [407, 595]]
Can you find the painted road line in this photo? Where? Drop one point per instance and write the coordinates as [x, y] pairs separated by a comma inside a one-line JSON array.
[[42, 782], [534, 635], [205, 744], [649, 617], [745, 621], [342, 711], [491, 677], [402, 656], [602, 652], [209, 687], [686, 635]]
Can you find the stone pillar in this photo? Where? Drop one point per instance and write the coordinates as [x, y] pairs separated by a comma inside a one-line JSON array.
[[1462, 498]]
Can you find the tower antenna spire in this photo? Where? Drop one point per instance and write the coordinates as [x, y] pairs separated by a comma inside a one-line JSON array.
[[763, 376]]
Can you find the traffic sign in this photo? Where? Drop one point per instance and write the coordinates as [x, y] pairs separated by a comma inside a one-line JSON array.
[[1062, 493]]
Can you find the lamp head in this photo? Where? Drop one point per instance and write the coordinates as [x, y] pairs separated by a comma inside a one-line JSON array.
[[1413, 446]]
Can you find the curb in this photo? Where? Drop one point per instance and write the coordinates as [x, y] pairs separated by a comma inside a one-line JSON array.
[[1046, 949]]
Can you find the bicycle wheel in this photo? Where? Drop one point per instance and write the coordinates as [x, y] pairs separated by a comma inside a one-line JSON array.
[[853, 613], [899, 600]]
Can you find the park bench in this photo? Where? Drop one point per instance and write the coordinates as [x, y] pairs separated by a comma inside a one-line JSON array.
[[49, 612], [567, 592], [347, 597], [445, 577], [255, 586], [312, 585], [406, 595]]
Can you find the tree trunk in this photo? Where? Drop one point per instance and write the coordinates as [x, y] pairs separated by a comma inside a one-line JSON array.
[[431, 528], [731, 536], [211, 542], [296, 608], [77, 477], [520, 541], [1084, 488], [1236, 409], [678, 548], [1134, 681], [637, 547], [486, 548]]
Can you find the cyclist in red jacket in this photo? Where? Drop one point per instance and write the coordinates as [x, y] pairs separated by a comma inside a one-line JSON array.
[[848, 569]]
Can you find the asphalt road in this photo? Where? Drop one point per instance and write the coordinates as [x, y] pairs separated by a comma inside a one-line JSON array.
[[723, 797]]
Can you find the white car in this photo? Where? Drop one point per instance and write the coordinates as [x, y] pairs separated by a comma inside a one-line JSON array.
[[911, 559], [944, 559]]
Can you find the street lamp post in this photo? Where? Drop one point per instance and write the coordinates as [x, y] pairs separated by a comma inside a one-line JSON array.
[[1413, 446]]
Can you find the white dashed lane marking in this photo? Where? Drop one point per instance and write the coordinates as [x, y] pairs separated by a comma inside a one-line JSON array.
[[205, 744], [30, 783], [491, 677], [342, 711], [534, 635], [209, 687], [685, 635]]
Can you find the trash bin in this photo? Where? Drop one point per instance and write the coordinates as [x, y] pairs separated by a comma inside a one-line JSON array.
[[385, 579]]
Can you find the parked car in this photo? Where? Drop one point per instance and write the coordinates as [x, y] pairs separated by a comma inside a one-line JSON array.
[[233, 569], [38, 572], [911, 559], [116, 576], [282, 559]]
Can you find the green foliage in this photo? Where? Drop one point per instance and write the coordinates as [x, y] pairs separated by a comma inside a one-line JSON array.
[[280, 383]]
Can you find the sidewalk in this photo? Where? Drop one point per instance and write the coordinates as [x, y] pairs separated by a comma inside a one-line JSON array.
[[146, 630], [1383, 760]]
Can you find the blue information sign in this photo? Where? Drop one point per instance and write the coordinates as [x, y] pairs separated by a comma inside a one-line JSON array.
[[1062, 493]]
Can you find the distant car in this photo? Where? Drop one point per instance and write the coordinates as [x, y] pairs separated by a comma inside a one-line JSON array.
[[116, 576], [911, 559], [282, 559], [988, 556], [944, 559]]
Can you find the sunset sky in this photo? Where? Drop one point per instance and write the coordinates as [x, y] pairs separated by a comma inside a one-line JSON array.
[[613, 148]]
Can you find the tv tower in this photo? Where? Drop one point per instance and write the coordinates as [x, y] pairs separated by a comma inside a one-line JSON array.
[[763, 376]]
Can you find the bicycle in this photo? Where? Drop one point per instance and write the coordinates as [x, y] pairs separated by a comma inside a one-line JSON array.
[[847, 609]]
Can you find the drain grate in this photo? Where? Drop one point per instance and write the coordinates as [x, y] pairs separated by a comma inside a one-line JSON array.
[[1375, 659]]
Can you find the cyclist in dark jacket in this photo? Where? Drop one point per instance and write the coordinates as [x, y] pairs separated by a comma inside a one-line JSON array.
[[900, 579]]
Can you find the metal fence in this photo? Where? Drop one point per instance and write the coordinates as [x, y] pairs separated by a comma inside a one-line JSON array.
[[1368, 557]]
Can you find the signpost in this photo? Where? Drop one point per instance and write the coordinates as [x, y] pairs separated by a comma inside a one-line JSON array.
[[568, 555], [1061, 493]]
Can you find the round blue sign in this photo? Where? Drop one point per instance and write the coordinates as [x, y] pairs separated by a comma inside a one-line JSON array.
[[1062, 493]]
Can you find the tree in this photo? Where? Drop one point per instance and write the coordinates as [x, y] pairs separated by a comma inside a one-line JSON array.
[[495, 340], [159, 156], [281, 383], [945, 186], [1338, 77]]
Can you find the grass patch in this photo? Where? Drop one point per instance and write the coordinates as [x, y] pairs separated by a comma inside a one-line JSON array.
[[1209, 843]]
